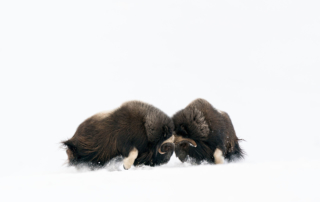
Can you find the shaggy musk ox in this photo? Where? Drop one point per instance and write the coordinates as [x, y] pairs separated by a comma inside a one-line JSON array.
[[203, 133], [139, 132]]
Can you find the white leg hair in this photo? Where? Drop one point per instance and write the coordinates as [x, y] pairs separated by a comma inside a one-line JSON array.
[[218, 157], [128, 162]]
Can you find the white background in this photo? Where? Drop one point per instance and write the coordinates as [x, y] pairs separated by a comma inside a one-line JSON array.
[[63, 61]]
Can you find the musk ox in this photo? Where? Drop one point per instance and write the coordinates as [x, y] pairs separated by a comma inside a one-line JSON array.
[[139, 132], [203, 133]]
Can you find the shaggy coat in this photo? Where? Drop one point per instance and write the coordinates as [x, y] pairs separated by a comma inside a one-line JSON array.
[[136, 131], [203, 133]]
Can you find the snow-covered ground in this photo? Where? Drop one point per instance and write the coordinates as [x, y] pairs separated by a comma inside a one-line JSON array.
[[62, 61]]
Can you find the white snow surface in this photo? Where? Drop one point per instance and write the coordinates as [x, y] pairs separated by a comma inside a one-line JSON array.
[[62, 61]]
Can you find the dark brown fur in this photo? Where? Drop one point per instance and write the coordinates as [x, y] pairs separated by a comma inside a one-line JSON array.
[[210, 129], [134, 124]]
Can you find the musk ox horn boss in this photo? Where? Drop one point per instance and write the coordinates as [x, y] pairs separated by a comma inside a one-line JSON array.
[[203, 133], [139, 132]]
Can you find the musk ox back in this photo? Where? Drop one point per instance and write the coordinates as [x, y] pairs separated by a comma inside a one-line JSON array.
[[137, 131], [203, 133]]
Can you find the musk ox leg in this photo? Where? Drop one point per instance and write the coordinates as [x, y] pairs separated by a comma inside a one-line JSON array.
[[218, 156], [128, 161]]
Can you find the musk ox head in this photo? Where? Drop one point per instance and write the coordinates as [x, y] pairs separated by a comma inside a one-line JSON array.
[[159, 129], [191, 136]]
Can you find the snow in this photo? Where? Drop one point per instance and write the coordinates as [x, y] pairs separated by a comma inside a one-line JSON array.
[[63, 61]]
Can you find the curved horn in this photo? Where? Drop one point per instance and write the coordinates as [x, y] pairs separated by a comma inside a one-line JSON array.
[[170, 140], [159, 150], [179, 140]]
